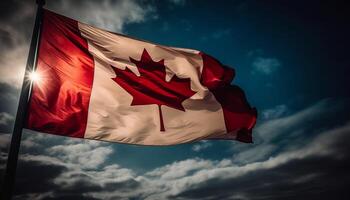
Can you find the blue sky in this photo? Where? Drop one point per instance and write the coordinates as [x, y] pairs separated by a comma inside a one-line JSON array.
[[291, 58]]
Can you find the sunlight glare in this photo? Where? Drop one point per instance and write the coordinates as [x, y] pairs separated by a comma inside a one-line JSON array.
[[34, 76]]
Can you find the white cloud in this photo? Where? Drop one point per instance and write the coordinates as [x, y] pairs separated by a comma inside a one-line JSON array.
[[253, 154], [180, 169], [201, 145], [87, 154], [110, 15], [108, 175], [265, 66], [47, 160]]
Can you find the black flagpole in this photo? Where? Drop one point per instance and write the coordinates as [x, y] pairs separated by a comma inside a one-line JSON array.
[[11, 166]]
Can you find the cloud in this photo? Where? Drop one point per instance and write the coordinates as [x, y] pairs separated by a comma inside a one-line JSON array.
[[275, 112], [66, 166], [17, 19], [265, 65], [15, 29], [5, 118], [180, 169], [199, 146], [12, 64], [206, 179], [254, 173], [263, 180], [253, 154], [262, 64], [290, 130], [4, 142], [8, 94], [87, 154], [318, 113], [110, 15], [8, 107]]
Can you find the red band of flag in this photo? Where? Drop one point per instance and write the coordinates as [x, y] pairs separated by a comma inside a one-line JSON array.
[[59, 102]]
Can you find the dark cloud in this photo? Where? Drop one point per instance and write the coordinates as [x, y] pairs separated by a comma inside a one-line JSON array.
[[16, 20], [312, 177], [315, 170], [70, 197], [51, 174], [300, 179], [8, 104], [40, 173], [79, 185], [4, 141]]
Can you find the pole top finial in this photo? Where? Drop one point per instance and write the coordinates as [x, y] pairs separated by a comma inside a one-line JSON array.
[[40, 2]]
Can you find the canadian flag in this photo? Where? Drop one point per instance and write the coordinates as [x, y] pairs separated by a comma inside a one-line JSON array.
[[99, 85]]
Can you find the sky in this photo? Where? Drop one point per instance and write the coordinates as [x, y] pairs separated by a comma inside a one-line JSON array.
[[291, 59]]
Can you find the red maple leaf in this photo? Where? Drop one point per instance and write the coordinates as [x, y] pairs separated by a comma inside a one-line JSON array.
[[151, 87]]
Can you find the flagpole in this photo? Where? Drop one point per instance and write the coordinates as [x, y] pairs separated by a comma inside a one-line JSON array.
[[10, 173]]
